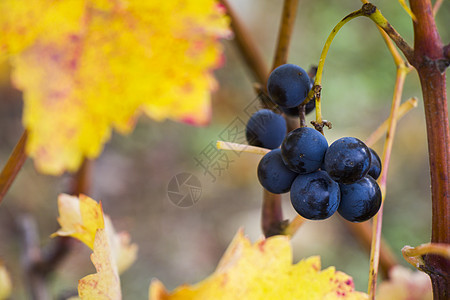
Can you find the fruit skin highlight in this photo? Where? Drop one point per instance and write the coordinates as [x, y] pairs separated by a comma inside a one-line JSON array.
[[303, 150], [315, 196], [265, 129], [361, 200], [347, 160], [288, 85], [273, 174]]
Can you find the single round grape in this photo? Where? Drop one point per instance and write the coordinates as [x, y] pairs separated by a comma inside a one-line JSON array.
[[303, 150], [265, 129], [361, 200], [288, 85], [375, 165], [273, 174], [315, 196], [347, 160], [294, 111]]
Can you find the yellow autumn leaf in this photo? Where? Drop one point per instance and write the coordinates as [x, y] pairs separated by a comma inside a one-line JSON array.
[[264, 270], [5, 282], [81, 218], [105, 284], [87, 67]]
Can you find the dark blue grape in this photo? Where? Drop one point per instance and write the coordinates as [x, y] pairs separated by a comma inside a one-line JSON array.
[[265, 129], [303, 150], [294, 111], [375, 165], [360, 201], [288, 85], [273, 174], [347, 160], [315, 196]]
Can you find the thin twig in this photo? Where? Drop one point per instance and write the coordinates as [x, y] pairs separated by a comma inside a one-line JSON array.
[[221, 145], [294, 225], [375, 15], [402, 70], [40, 263], [414, 255], [403, 109], [436, 6], [363, 233], [32, 254], [407, 9], [13, 165], [389, 34], [398, 59]]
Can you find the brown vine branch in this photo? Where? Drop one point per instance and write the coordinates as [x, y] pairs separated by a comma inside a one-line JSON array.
[[247, 46], [282, 49], [427, 50], [13, 165], [81, 181], [285, 32], [272, 214]]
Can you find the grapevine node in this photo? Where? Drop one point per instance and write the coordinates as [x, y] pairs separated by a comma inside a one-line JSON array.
[[319, 126]]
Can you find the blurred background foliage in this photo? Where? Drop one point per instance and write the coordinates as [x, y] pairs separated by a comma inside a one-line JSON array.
[[184, 245]]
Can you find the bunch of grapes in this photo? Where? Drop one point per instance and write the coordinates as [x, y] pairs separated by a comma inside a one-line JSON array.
[[321, 179]]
